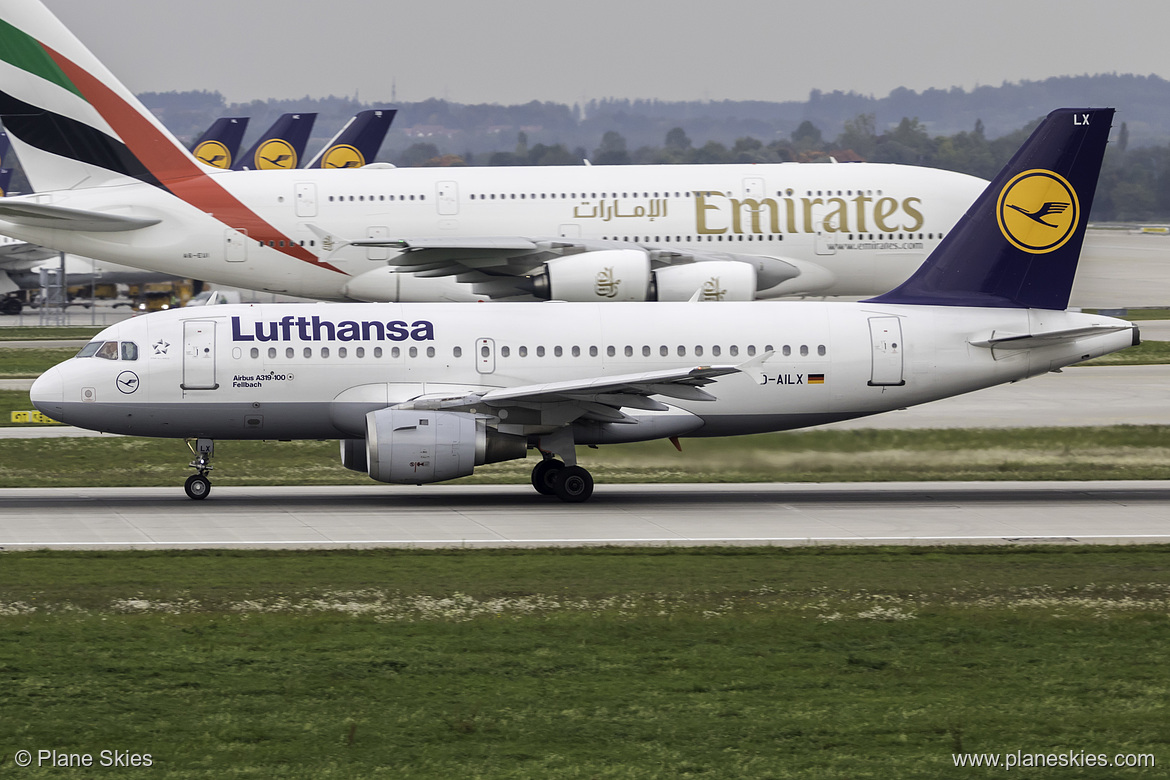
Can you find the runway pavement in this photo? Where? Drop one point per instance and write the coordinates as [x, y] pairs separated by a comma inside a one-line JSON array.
[[514, 516]]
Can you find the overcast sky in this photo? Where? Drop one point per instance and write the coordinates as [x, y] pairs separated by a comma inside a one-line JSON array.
[[473, 51]]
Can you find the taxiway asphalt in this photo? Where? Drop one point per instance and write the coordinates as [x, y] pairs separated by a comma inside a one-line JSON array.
[[1129, 512]]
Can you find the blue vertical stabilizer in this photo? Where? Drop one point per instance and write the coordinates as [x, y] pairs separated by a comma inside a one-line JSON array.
[[1019, 244]]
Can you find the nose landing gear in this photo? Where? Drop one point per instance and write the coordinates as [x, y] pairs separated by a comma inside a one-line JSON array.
[[198, 486]]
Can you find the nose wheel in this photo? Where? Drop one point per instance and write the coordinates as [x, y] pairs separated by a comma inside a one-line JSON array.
[[198, 486]]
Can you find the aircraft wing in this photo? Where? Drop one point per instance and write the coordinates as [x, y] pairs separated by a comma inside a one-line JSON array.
[[21, 256], [43, 215], [596, 398], [498, 267]]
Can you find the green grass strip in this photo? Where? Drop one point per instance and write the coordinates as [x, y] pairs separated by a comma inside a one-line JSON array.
[[600, 663], [1118, 452]]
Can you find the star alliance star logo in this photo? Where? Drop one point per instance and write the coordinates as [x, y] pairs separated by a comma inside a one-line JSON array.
[[161, 347]]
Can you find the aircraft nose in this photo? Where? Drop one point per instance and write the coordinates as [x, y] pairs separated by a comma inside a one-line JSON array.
[[47, 389]]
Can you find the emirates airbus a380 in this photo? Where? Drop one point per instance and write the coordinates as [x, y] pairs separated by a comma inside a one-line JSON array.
[[113, 184]]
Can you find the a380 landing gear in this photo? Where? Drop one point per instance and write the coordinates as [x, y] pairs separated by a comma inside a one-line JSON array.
[[198, 485], [571, 484]]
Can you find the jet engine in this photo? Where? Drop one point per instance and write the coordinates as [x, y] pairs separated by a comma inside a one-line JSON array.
[[716, 280], [625, 275], [604, 275], [416, 447]]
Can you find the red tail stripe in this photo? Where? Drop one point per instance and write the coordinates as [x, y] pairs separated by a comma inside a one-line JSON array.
[[174, 168]]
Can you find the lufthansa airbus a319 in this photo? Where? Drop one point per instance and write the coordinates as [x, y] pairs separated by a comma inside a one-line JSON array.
[[422, 393]]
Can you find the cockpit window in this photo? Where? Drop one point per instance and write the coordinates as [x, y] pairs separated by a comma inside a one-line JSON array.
[[129, 350], [109, 350], [89, 349]]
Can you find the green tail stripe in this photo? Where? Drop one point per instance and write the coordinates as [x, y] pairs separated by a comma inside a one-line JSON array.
[[25, 52]]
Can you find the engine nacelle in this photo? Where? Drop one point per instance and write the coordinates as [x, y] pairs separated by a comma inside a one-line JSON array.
[[416, 447], [604, 275], [715, 280]]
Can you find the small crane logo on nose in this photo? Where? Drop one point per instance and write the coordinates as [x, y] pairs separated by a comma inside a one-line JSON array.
[[127, 382]]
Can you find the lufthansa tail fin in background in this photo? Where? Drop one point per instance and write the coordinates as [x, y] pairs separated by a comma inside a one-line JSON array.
[[282, 147], [1018, 245], [219, 145], [358, 142]]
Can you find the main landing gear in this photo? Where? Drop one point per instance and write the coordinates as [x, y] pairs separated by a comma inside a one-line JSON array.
[[571, 484], [558, 473], [198, 485]]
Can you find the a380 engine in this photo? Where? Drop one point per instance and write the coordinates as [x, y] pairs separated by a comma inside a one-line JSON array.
[[625, 275], [415, 447]]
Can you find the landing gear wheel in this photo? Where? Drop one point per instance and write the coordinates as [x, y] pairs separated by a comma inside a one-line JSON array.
[[10, 306], [544, 476], [573, 484], [197, 487]]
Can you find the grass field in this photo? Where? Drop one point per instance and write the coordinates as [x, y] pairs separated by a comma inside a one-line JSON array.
[[1120, 452], [601, 663]]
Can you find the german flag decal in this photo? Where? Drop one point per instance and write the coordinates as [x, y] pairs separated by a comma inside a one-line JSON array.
[[816, 379]]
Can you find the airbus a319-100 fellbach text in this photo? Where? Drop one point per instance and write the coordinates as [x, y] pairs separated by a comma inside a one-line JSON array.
[[113, 184], [426, 392]]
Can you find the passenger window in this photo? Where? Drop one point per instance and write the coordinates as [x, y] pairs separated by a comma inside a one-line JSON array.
[[593, 352], [360, 352], [341, 352], [324, 352], [255, 353], [804, 350], [682, 351], [272, 352], [395, 352], [377, 352], [504, 351], [308, 352], [629, 351], [698, 351], [289, 352], [523, 351], [414, 352], [458, 352], [646, 351], [576, 352], [611, 351], [751, 350], [540, 351], [664, 351], [715, 351], [786, 351], [109, 350], [821, 350], [733, 351], [557, 351], [129, 350]]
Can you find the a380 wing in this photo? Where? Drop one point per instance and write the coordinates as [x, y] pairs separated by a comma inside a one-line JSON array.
[[498, 266]]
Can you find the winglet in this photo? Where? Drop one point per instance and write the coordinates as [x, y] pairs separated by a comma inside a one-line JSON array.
[[754, 367], [1018, 245]]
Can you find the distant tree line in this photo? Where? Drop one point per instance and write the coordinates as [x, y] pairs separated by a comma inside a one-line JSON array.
[[973, 132]]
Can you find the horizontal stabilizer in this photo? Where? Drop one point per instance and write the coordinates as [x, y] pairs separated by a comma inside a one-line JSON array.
[[1034, 340], [42, 215]]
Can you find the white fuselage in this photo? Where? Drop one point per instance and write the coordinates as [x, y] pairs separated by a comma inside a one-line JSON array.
[[851, 229], [289, 371]]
